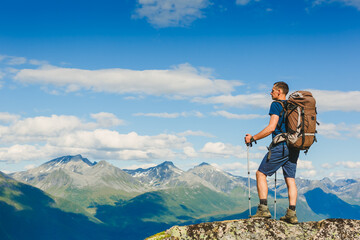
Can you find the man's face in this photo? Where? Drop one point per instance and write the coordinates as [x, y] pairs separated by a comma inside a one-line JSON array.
[[275, 93]]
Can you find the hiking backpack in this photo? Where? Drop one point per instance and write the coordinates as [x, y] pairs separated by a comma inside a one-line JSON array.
[[300, 121]]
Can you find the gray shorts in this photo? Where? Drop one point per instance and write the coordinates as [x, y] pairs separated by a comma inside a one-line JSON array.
[[281, 156]]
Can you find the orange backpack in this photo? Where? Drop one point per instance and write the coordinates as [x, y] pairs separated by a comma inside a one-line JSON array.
[[300, 121]]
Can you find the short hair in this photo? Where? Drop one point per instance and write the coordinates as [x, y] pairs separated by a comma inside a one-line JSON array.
[[283, 86]]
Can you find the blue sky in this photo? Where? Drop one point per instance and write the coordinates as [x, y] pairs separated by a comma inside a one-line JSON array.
[[138, 82]]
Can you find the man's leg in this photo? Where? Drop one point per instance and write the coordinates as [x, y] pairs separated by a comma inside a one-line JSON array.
[[263, 209], [262, 186], [292, 190], [290, 216]]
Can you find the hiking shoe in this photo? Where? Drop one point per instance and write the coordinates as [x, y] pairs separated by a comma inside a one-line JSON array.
[[290, 217], [262, 212]]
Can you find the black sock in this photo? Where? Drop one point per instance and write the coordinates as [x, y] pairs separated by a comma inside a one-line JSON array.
[[292, 207], [263, 201]]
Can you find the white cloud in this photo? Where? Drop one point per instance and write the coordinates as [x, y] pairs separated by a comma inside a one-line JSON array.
[[42, 127], [302, 164], [238, 101], [238, 116], [329, 130], [18, 153], [170, 13], [325, 100], [16, 60], [180, 81], [327, 166], [262, 148], [38, 62], [222, 150], [171, 115], [231, 167], [336, 100], [347, 174], [339, 131], [195, 133], [104, 119], [100, 144], [352, 3], [349, 164], [245, 2], [8, 117], [190, 152], [45, 137], [308, 174]]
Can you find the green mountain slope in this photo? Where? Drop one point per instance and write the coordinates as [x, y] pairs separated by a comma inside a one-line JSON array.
[[29, 213]]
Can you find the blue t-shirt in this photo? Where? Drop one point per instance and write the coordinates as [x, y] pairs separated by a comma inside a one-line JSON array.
[[276, 108]]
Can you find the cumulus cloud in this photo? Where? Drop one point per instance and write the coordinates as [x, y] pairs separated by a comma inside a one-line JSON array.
[[325, 100], [340, 131], [195, 133], [43, 127], [6, 117], [16, 60], [238, 116], [231, 167], [245, 2], [336, 100], [308, 174], [171, 115], [352, 3], [180, 81], [347, 174], [190, 152], [302, 164], [238, 101], [224, 150], [170, 13], [105, 119], [348, 164], [44, 137], [327, 166]]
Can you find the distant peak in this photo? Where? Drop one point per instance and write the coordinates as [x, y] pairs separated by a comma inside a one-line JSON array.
[[67, 159], [167, 163], [204, 164]]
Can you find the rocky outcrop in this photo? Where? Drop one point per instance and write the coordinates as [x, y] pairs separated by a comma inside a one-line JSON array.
[[264, 229]]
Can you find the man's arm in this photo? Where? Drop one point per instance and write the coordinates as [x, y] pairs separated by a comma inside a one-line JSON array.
[[266, 131]]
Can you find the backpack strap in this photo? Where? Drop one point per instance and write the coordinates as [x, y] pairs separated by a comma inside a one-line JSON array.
[[282, 113], [282, 136]]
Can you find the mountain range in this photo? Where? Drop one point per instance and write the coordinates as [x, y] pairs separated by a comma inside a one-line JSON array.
[[122, 201]]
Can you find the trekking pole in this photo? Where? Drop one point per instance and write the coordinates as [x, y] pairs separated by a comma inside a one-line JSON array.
[[248, 168], [275, 199]]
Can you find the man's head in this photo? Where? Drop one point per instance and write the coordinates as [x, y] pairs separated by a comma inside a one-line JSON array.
[[279, 91]]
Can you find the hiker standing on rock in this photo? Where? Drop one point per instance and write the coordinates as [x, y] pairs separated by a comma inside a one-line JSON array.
[[280, 155]]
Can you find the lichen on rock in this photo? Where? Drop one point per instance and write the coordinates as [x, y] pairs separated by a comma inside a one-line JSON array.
[[259, 228]]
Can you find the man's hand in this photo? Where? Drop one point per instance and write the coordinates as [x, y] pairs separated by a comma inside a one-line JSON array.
[[249, 139]]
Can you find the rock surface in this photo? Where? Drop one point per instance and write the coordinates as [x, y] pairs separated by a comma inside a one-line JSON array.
[[264, 229]]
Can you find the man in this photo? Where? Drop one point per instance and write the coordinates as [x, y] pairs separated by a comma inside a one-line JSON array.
[[281, 156]]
